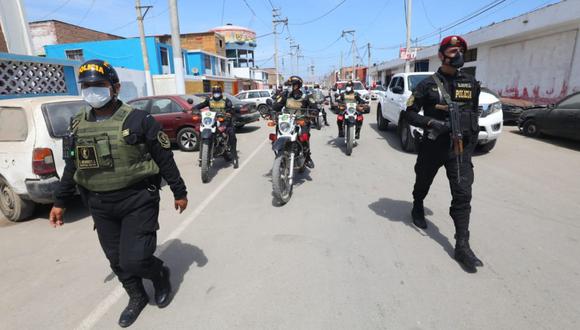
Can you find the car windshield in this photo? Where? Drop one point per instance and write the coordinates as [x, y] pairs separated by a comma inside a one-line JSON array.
[[358, 86], [414, 80], [58, 115], [196, 99]]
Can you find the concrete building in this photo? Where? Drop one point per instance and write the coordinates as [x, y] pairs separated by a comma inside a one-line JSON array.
[[272, 77], [205, 69], [534, 56], [240, 45], [251, 78], [210, 41], [122, 53], [346, 73]]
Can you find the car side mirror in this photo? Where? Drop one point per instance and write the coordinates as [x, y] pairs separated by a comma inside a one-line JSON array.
[[269, 102], [397, 90], [190, 101]]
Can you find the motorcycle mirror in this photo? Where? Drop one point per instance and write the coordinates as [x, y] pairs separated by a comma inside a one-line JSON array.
[[269, 102], [190, 101]]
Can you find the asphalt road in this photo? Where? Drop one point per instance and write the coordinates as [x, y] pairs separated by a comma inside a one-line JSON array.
[[342, 254]]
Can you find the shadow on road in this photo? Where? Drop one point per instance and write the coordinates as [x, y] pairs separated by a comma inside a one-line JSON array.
[[390, 135], [179, 257], [247, 129], [400, 211]]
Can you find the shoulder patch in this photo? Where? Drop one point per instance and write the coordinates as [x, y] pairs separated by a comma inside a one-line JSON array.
[[411, 100], [163, 140]]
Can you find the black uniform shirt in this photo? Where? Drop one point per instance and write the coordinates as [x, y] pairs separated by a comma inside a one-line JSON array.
[[144, 129], [426, 96]]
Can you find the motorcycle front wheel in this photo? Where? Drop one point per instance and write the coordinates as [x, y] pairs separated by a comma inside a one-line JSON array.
[[349, 139], [205, 160], [281, 186]]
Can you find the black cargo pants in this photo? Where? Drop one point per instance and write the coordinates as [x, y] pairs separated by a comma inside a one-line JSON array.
[[126, 222], [434, 154]]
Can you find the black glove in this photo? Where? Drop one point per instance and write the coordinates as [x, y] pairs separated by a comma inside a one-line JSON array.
[[437, 127]]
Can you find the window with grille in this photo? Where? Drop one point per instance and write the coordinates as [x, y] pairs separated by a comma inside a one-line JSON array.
[[470, 55], [74, 54]]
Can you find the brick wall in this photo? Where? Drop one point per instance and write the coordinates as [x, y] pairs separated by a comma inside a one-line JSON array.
[[3, 46], [67, 33], [210, 42]]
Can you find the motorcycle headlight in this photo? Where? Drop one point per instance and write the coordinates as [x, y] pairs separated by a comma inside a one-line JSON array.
[[284, 127], [207, 121], [492, 108]]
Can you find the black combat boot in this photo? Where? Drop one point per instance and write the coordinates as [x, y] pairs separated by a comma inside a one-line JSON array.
[[138, 299], [357, 134], [418, 215], [162, 286], [463, 253], [309, 162]]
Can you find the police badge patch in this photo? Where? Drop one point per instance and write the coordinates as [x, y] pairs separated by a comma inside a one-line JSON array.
[[411, 100], [163, 140]]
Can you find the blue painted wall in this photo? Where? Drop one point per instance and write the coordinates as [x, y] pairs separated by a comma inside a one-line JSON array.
[[124, 53], [197, 60]]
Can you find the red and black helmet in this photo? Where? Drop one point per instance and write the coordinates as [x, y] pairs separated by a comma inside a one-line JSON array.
[[452, 41]]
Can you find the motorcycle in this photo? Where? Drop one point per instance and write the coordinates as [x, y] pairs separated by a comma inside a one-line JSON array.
[[287, 144], [350, 115], [214, 142]]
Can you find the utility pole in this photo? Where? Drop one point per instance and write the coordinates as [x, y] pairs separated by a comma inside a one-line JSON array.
[[275, 22], [340, 67], [176, 45], [297, 47], [369, 65], [140, 17], [351, 32], [408, 46]]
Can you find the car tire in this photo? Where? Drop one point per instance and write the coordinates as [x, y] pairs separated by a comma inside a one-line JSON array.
[[408, 143], [13, 206], [382, 123], [187, 139], [488, 146], [264, 110], [530, 128]]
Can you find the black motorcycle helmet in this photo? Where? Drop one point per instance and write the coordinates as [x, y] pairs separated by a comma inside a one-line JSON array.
[[295, 81], [97, 71], [217, 90], [349, 84]]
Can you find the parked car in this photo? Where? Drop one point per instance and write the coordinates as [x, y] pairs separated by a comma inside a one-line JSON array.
[[561, 119], [174, 113], [401, 87], [31, 131], [258, 97], [513, 109], [377, 91], [245, 112]]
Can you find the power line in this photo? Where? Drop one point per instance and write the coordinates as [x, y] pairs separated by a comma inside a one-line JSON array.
[[134, 22], [87, 12], [55, 10], [478, 12], [254, 13], [321, 16], [427, 16]]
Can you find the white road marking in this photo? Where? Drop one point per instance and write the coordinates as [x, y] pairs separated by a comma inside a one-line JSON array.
[[102, 308]]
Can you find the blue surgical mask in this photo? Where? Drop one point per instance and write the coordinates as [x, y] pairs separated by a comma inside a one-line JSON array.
[[97, 97]]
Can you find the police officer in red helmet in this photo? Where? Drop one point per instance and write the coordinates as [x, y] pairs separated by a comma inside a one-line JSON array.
[[433, 95]]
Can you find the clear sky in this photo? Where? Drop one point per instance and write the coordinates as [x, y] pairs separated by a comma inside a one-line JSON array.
[[315, 25]]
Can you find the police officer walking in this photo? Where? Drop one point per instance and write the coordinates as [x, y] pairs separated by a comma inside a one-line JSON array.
[[433, 96], [116, 156]]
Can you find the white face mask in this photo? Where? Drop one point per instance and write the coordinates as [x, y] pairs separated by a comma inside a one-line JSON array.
[[348, 89], [217, 95], [97, 97]]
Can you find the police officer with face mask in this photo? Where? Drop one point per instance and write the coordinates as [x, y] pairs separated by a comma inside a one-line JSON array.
[[349, 95], [116, 156], [432, 95], [216, 102], [296, 101]]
